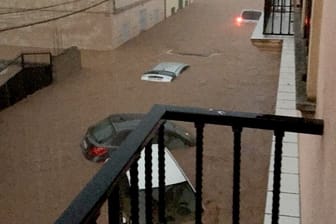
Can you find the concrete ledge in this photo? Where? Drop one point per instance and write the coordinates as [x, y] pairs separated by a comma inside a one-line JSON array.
[[265, 42]]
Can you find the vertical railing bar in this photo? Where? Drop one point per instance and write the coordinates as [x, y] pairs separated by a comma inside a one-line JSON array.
[[236, 174], [162, 185], [279, 134], [281, 15], [50, 59], [290, 16], [22, 61], [273, 12], [199, 171], [93, 219], [148, 183], [134, 193], [114, 206], [8, 95], [265, 15]]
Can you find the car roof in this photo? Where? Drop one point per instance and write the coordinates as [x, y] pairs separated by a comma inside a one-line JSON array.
[[129, 121], [174, 173], [125, 125]]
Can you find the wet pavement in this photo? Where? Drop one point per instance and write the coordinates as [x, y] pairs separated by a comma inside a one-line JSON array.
[[42, 167]]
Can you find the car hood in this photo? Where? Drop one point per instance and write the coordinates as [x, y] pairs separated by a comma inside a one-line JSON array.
[[174, 173]]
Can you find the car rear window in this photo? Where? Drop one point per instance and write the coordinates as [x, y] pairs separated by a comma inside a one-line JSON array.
[[103, 131], [167, 73], [155, 77]]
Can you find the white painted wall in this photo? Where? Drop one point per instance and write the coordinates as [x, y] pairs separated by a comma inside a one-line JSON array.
[[130, 23], [98, 28], [318, 154]]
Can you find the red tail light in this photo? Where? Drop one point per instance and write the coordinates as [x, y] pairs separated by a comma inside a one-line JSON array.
[[98, 151], [239, 19]]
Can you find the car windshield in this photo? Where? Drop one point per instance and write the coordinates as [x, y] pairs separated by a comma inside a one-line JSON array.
[[103, 131], [162, 72]]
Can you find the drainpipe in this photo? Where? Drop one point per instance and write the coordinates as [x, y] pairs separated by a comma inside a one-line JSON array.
[[165, 8], [114, 5]]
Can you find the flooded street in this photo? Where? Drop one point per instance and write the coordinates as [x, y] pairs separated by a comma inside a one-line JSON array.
[[42, 167]]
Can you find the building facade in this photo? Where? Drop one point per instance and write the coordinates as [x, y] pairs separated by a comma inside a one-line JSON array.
[[97, 25], [318, 154]]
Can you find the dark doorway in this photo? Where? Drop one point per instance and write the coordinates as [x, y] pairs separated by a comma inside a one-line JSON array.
[[180, 4]]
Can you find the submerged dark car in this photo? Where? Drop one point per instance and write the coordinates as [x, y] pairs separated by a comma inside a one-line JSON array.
[[107, 135]]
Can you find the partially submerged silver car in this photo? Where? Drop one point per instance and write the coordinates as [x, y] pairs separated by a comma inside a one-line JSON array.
[[164, 72]]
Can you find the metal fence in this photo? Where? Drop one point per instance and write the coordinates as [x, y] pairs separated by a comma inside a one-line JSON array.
[[104, 185], [24, 75], [278, 17]]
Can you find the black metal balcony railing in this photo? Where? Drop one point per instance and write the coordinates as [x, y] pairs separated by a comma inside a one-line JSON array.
[[278, 17], [24, 75], [104, 185]]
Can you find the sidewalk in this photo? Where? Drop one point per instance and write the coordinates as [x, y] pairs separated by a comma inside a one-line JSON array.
[[290, 192]]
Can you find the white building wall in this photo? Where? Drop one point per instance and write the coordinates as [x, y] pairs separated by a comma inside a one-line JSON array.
[[172, 6], [130, 23], [88, 30], [318, 154], [104, 27]]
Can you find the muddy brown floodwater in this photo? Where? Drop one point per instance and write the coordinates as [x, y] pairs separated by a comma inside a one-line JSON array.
[[41, 166]]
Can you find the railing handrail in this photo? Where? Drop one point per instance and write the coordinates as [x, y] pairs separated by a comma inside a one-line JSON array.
[[245, 119], [96, 192], [10, 62], [22, 55], [17, 60]]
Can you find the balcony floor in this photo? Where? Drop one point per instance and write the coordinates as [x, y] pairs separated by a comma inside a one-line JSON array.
[[285, 105]]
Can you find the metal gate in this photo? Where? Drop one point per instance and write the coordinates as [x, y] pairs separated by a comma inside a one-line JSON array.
[[279, 17]]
